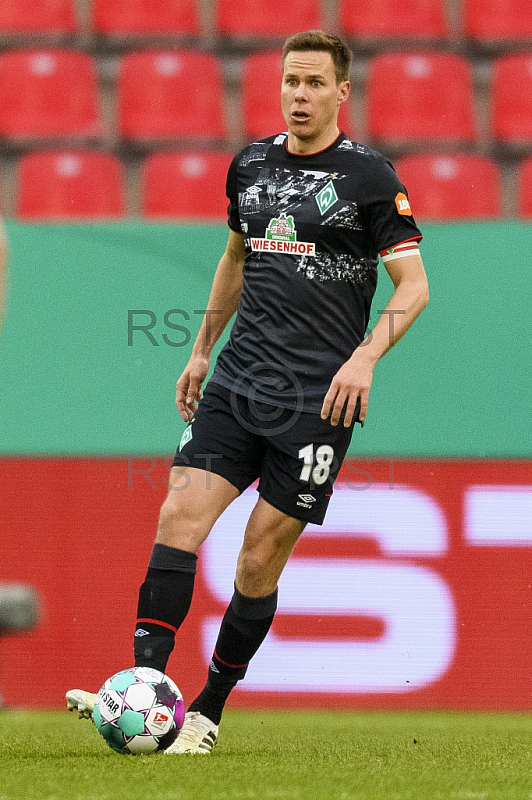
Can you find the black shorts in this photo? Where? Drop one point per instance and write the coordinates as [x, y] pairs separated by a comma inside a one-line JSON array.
[[295, 455]]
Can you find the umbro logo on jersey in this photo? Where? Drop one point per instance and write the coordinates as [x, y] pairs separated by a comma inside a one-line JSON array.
[[141, 632], [306, 500]]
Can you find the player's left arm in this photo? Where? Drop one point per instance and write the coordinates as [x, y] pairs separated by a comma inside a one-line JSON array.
[[353, 380]]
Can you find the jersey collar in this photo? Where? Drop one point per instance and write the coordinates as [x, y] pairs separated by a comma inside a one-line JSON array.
[[339, 139]]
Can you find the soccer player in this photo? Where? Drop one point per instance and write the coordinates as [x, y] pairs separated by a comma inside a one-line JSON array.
[[309, 212]]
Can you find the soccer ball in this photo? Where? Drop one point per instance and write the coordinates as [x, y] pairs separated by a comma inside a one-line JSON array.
[[139, 711]]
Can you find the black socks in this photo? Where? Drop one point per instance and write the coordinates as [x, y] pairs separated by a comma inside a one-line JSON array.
[[164, 601], [244, 627]]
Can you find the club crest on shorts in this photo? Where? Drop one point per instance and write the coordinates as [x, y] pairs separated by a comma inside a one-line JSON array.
[[186, 437]]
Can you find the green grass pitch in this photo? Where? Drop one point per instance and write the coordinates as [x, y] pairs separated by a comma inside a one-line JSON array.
[[264, 755]]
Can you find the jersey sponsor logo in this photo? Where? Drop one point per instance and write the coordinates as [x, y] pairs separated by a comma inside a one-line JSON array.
[[282, 229], [326, 198], [403, 206], [293, 248], [281, 237]]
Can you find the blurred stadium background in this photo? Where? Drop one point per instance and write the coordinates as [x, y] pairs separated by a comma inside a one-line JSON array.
[[118, 119]]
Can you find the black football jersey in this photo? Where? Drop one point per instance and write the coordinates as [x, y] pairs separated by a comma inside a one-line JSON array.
[[313, 228]]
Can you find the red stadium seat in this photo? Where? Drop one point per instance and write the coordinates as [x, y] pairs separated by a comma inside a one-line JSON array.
[[498, 20], [70, 184], [524, 189], [391, 18], [451, 187], [268, 18], [145, 16], [186, 185], [511, 107], [420, 96], [164, 94], [48, 93], [36, 16], [261, 97]]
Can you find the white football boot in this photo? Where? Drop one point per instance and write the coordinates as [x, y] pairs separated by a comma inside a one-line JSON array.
[[197, 736], [82, 702]]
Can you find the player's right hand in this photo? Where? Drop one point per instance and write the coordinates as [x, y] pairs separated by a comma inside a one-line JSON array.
[[188, 387]]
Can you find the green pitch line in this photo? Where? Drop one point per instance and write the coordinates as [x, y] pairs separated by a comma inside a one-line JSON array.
[[278, 756]]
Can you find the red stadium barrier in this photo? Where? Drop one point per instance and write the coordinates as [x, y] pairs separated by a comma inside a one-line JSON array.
[[414, 594]]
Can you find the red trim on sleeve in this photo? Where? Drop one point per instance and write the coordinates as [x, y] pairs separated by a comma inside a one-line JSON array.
[[395, 246]]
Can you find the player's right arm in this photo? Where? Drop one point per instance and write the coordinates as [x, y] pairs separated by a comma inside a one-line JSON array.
[[223, 302]]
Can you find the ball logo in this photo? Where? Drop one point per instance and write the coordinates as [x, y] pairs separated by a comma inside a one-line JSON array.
[[160, 718], [107, 700], [403, 206]]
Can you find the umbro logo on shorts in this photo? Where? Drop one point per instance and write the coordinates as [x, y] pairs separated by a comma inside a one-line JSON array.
[[141, 632], [307, 499]]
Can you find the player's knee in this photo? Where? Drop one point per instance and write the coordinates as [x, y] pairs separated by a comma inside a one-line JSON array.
[[168, 515], [255, 564], [255, 577], [179, 526]]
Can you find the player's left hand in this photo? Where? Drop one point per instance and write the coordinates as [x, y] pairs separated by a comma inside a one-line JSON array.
[[351, 383]]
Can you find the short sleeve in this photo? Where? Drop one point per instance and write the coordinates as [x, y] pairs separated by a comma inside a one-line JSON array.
[[231, 189], [386, 208]]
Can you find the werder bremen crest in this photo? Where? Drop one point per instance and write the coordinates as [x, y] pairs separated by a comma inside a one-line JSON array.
[[326, 198], [186, 437]]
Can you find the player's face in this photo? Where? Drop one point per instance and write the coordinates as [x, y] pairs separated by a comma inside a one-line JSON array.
[[310, 99]]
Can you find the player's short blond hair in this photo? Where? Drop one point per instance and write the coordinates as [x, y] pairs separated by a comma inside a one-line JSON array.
[[323, 42]]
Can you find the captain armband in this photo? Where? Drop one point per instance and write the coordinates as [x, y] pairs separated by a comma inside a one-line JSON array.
[[410, 248]]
